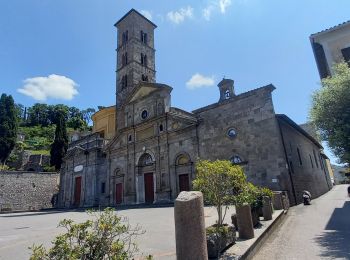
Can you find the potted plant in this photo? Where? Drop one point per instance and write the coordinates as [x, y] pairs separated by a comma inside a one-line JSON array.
[[220, 182]]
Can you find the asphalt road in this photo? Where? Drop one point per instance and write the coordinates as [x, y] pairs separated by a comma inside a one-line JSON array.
[[318, 231], [18, 231]]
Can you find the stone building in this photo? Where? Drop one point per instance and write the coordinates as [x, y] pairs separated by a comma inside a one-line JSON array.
[[331, 46], [152, 155]]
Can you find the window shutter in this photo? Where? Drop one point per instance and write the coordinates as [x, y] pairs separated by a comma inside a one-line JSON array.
[[321, 60]]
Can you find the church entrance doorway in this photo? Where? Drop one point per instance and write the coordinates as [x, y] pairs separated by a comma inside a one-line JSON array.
[[77, 191], [149, 188], [119, 193], [184, 182]]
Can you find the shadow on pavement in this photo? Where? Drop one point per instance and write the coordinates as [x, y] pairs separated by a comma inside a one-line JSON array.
[[336, 238], [58, 211]]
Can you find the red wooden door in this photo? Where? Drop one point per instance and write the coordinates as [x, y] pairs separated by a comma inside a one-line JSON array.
[[119, 193], [77, 191], [149, 188], [184, 182]]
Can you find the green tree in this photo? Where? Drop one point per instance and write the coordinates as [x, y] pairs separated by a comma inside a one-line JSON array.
[[330, 111], [60, 144], [8, 126], [38, 114], [106, 236], [220, 182]]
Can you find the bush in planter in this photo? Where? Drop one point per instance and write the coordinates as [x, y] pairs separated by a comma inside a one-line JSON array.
[[250, 195], [107, 236], [220, 182]]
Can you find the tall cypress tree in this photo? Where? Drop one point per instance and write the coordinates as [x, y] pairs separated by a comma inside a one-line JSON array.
[[8, 126], [60, 144]]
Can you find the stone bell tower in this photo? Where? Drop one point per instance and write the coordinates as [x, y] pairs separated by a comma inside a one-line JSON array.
[[135, 53], [226, 89]]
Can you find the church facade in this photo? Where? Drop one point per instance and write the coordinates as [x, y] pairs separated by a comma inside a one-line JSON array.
[[152, 156]]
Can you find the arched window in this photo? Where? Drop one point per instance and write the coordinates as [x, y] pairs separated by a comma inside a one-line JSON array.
[[117, 172], [227, 94], [236, 159], [161, 128], [182, 159], [145, 160]]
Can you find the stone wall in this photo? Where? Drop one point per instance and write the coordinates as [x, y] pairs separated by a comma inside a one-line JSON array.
[[27, 190], [305, 162], [257, 142]]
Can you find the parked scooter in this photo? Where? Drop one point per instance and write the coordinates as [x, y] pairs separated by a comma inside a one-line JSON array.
[[306, 197]]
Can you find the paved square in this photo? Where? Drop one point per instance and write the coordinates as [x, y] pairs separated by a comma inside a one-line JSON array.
[[18, 231]]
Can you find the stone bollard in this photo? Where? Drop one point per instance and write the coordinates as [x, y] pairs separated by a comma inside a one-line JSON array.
[[285, 201], [277, 200], [244, 222], [267, 208], [190, 233]]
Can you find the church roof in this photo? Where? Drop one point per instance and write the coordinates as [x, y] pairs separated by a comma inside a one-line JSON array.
[[133, 10], [290, 122], [331, 29], [269, 87]]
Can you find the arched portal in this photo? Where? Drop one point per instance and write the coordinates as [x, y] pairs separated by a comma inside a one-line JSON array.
[[146, 179], [183, 170]]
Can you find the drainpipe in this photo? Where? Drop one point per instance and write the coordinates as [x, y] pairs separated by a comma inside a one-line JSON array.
[[285, 154]]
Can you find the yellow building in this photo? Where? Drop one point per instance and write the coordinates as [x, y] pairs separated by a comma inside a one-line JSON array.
[[104, 122]]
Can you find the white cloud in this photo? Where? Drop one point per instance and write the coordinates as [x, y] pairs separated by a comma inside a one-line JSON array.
[[223, 5], [180, 15], [207, 12], [146, 14], [199, 81], [53, 86]]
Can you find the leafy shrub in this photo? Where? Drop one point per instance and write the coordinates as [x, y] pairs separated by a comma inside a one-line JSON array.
[[220, 182], [107, 236]]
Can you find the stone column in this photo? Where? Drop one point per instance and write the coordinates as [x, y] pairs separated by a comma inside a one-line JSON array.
[[277, 200], [245, 222], [190, 226], [267, 208]]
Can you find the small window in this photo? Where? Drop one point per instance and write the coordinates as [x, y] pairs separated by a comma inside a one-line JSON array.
[[227, 94], [146, 160], [315, 158], [144, 77], [144, 59], [143, 37], [124, 82], [125, 59], [231, 133], [300, 161], [312, 164], [144, 114], [346, 54], [129, 138], [182, 160], [160, 128], [125, 37], [321, 162], [103, 187]]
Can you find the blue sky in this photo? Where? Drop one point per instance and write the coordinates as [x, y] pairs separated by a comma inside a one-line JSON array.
[[254, 42]]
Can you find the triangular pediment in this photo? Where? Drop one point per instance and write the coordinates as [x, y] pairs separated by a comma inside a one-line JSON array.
[[145, 89]]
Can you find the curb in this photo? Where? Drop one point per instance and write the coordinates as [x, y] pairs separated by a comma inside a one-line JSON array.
[[254, 248]]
